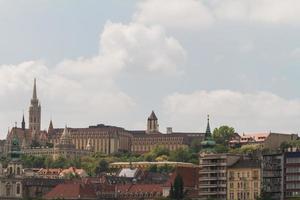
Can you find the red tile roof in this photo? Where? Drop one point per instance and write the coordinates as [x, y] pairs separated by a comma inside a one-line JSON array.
[[72, 191], [189, 176]]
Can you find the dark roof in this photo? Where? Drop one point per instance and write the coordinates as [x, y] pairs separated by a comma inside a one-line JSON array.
[[246, 163]]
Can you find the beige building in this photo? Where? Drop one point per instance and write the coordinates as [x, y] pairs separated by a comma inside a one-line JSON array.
[[244, 180], [213, 174]]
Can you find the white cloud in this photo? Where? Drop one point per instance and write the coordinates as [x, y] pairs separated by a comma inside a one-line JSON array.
[[260, 110], [266, 11], [195, 14], [88, 86], [187, 14]]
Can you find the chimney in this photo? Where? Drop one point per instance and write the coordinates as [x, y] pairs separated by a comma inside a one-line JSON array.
[[169, 130]]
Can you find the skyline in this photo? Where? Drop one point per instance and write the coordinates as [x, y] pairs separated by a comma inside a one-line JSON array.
[[113, 62]]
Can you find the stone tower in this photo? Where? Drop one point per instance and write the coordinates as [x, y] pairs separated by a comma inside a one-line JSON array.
[[34, 112], [152, 123]]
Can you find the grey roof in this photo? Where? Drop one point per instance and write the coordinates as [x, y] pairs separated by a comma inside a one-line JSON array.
[[246, 163]]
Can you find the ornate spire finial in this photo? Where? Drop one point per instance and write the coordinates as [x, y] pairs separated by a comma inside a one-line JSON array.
[[34, 95]]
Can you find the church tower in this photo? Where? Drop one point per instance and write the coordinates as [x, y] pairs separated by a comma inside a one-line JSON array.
[[152, 123], [34, 112]]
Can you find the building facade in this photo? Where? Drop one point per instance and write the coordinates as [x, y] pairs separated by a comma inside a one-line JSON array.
[[291, 175], [272, 173], [243, 180]]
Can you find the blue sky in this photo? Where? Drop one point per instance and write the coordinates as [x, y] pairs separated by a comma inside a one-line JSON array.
[[114, 61]]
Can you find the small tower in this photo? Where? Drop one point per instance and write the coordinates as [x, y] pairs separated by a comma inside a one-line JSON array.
[[34, 112], [23, 123], [152, 123]]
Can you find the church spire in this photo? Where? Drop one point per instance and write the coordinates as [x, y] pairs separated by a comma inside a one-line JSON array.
[[207, 132], [208, 143], [34, 95], [23, 122], [50, 129], [34, 112]]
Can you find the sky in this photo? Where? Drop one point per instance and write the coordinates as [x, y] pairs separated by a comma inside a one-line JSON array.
[[113, 62]]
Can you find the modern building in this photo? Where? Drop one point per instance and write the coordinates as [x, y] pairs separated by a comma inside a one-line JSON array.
[[291, 175], [272, 175], [243, 180], [213, 174]]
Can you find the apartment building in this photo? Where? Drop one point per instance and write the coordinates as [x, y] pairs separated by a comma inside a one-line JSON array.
[[213, 174], [243, 180]]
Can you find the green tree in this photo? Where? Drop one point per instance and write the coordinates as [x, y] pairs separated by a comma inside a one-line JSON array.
[[180, 155], [223, 134], [220, 148], [178, 188], [152, 168], [196, 145], [103, 166], [160, 150]]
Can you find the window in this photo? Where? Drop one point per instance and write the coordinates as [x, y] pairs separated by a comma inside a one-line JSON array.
[[18, 171], [8, 190], [18, 188]]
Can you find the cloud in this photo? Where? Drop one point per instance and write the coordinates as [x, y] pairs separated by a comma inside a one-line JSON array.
[[265, 11], [261, 110], [88, 85], [190, 15], [178, 14]]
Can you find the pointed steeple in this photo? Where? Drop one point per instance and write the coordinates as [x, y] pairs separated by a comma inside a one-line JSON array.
[[34, 112], [34, 95], [208, 143], [23, 122], [207, 132], [50, 129]]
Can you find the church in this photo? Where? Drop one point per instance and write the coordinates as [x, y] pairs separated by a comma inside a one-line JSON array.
[[99, 138]]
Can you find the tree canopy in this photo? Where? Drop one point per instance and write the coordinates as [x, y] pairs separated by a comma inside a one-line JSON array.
[[223, 134]]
